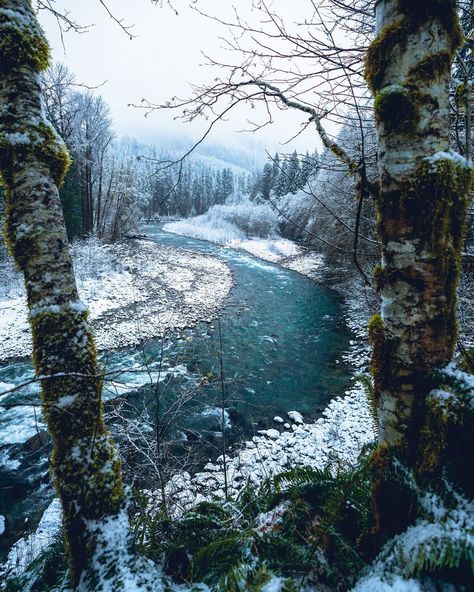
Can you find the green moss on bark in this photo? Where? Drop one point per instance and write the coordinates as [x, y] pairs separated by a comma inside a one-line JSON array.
[[414, 14], [389, 490], [22, 44], [430, 68], [442, 188], [394, 106], [19, 142], [85, 463], [384, 44], [383, 349]]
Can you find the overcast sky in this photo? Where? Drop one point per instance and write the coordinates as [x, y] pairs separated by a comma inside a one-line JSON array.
[[159, 63]]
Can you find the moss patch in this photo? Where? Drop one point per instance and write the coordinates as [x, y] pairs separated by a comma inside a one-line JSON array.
[[19, 142], [383, 45], [413, 14], [22, 44], [430, 68], [394, 106], [383, 350]]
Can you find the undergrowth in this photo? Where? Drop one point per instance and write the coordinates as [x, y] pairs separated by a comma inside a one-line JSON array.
[[301, 530]]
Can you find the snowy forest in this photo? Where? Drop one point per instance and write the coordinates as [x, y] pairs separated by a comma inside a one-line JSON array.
[[236, 296]]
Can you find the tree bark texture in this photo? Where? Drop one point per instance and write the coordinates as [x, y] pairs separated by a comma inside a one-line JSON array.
[[33, 163], [421, 211]]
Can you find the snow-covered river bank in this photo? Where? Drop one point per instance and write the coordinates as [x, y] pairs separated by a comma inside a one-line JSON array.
[[283, 339]]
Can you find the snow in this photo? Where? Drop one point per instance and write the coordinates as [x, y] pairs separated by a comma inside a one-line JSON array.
[[65, 401], [375, 583], [114, 564], [269, 521], [2, 524], [274, 585], [451, 155], [78, 306], [135, 291], [296, 417], [346, 426], [25, 550], [18, 138], [401, 557]]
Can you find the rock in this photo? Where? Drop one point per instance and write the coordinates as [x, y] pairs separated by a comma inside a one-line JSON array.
[[295, 416], [211, 467], [278, 419], [286, 426], [273, 434]]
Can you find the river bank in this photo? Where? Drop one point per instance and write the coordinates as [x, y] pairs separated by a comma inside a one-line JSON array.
[[135, 290], [306, 335]]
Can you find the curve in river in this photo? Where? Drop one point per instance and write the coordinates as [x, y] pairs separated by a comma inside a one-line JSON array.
[[282, 341]]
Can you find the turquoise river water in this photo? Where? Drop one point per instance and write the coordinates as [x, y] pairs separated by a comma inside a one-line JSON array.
[[282, 343]]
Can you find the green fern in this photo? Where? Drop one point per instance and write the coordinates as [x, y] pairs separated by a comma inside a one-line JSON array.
[[244, 578], [368, 386], [213, 561], [47, 573]]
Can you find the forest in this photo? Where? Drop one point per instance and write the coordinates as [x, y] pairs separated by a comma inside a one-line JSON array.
[[236, 296]]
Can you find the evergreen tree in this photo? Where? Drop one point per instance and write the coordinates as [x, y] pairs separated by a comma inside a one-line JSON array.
[[308, 168], [293, 174], [281, 184], [266, 181]]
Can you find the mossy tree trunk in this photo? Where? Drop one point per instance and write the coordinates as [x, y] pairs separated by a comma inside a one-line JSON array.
[[33, 163], [421, 213]]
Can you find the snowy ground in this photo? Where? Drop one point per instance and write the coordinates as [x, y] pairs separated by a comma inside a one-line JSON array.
[[278, 250], [337, 437], [137, 290]]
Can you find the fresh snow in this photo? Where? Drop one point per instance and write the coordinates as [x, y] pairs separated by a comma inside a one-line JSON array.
[[140, 290], [25, 550], [338, 436]]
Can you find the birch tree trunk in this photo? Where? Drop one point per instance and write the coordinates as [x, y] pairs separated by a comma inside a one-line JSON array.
[[424, 190], [33, 163]]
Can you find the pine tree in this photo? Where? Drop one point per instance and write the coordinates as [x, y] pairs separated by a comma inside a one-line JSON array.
[[282, 182], [266, 181], [308, 168], [293, 173]]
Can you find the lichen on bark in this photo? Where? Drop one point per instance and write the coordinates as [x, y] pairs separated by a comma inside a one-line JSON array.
[[33, 162], [421, 213]]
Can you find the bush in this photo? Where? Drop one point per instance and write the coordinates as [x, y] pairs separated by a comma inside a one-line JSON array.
[[224, 223]]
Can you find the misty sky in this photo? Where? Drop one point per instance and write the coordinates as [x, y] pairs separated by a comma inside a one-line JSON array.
[[159, 63]]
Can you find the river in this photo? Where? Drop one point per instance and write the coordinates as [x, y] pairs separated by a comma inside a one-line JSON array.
[[282, 337]]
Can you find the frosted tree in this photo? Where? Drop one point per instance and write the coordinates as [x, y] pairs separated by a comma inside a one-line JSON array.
[[33, 163]]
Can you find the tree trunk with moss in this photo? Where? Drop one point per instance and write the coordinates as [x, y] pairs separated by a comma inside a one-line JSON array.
[[33, 163], [424, 190]]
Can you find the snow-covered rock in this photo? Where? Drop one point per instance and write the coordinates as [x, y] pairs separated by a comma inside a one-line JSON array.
[[346, 426], [296, 417]]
